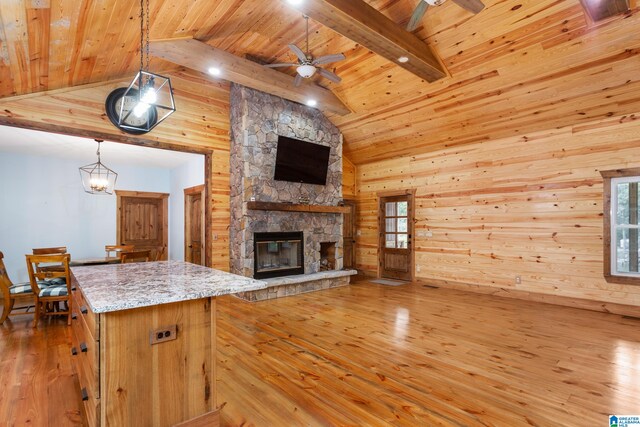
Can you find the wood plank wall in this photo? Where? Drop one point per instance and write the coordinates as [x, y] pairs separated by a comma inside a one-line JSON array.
[[348, 179], [201, 120], [528, 206]]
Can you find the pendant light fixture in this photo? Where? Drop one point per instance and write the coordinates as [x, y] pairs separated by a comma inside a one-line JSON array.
[[149, 98], [97, 178]]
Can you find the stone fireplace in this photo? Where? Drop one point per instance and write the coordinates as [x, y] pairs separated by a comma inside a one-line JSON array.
[[257, 119]]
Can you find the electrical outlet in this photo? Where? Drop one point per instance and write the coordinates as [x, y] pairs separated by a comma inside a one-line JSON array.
[[429, 233], [359, 233], [417, 268], [518, 280], [166, 333]]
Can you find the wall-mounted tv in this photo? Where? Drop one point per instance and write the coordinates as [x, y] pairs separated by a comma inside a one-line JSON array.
[[300, 161]]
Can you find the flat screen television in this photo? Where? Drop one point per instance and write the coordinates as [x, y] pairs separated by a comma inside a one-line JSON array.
[[300, 161]]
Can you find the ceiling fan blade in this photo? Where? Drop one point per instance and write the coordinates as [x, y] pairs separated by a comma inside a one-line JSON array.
[[417, 15], [280, 65], [329, 75], [327, 59], [473, 6], [297, 80], [299, 53]]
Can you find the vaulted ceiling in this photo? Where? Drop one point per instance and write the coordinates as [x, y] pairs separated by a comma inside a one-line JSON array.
[[516, 67]]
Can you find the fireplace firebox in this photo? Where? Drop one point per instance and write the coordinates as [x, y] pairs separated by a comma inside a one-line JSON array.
[[278, 254]]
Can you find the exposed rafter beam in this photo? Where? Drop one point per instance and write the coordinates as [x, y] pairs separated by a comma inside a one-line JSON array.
[[200, 56], [363, 24], [598, 10]]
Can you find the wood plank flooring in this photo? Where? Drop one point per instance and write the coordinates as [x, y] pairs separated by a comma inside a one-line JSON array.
[[374, 355]]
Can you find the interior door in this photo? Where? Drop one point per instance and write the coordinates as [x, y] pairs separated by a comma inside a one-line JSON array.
[[143, 221], [348, 234], [193, 225], [396, 229]]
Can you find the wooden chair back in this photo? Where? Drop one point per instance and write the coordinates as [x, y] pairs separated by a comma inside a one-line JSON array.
[[159, 253], [135, 256], [8, 298], [48, 267], [117, 249], [48, 251]]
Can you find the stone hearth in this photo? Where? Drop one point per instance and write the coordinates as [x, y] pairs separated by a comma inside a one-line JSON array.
[[256, 121]]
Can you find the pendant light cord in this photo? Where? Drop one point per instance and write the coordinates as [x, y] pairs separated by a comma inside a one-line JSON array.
[[144, 35], [98, 152]]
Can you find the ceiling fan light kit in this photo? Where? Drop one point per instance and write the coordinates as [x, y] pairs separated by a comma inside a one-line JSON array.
[[307, 66], [148, 100]]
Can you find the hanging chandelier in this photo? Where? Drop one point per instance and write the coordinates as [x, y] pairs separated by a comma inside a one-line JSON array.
[[97, 178], [149, 98]]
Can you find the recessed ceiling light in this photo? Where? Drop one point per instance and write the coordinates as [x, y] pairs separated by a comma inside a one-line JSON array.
[[214, 71], [312, 102], [403, 59], [295, 2]]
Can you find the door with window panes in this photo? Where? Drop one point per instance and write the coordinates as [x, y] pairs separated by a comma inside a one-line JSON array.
[[396, 226]]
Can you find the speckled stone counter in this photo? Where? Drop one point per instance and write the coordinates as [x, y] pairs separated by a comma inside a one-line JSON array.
[[117, 287]]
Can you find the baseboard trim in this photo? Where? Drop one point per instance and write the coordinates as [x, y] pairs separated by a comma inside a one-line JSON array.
[[585, 304]]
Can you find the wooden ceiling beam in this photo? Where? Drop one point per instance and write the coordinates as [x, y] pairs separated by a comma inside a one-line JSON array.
[[597, 10], [199, 56], [363, 24]]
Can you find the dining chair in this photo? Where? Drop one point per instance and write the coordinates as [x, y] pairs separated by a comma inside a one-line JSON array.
[[159, 253], [58, 283], [135, 256], [117, 249], [49, 251], [12, 292]]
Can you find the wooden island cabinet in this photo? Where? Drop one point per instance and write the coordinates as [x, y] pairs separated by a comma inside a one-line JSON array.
[[144, 341]]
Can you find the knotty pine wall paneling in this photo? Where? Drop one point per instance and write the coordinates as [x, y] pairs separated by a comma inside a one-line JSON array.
[[529, 206]]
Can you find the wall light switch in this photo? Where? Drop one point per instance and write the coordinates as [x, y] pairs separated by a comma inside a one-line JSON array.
[[359, 232], [429, 233]]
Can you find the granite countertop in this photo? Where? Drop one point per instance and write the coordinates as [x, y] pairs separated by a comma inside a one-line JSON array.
[[124, 286]]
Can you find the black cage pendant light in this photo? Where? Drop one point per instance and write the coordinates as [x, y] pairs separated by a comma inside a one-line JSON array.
[[97, 178], [149, 98]]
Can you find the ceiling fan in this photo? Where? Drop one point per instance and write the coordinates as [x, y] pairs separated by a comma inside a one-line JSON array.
[[307, 66], [473, 6]]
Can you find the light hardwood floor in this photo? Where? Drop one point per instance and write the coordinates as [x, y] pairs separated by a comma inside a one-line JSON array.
[[376, 355]]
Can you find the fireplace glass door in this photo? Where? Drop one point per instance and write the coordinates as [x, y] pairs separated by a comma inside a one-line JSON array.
[[278, 254]]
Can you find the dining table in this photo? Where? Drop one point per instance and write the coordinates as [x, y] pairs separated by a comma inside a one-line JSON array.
[[94, 261]]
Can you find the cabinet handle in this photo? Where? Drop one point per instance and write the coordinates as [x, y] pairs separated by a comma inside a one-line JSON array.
[[85, 395], [83, 347], [74, 351], [83, 309]]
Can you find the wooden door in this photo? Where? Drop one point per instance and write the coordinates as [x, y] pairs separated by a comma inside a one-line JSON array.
[[193, 225], [348, 235], [143, 221], [396, 229]]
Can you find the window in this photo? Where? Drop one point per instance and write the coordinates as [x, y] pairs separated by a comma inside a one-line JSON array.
[[621, 226], [396, 225]]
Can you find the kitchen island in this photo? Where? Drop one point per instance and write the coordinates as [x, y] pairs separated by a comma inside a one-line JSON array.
[[144, 341]]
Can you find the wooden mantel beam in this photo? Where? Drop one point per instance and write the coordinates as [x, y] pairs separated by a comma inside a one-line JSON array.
[[200, 56], [363, 24]]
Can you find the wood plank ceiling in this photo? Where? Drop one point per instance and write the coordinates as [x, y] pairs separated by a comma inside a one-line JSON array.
[[516, 67]]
